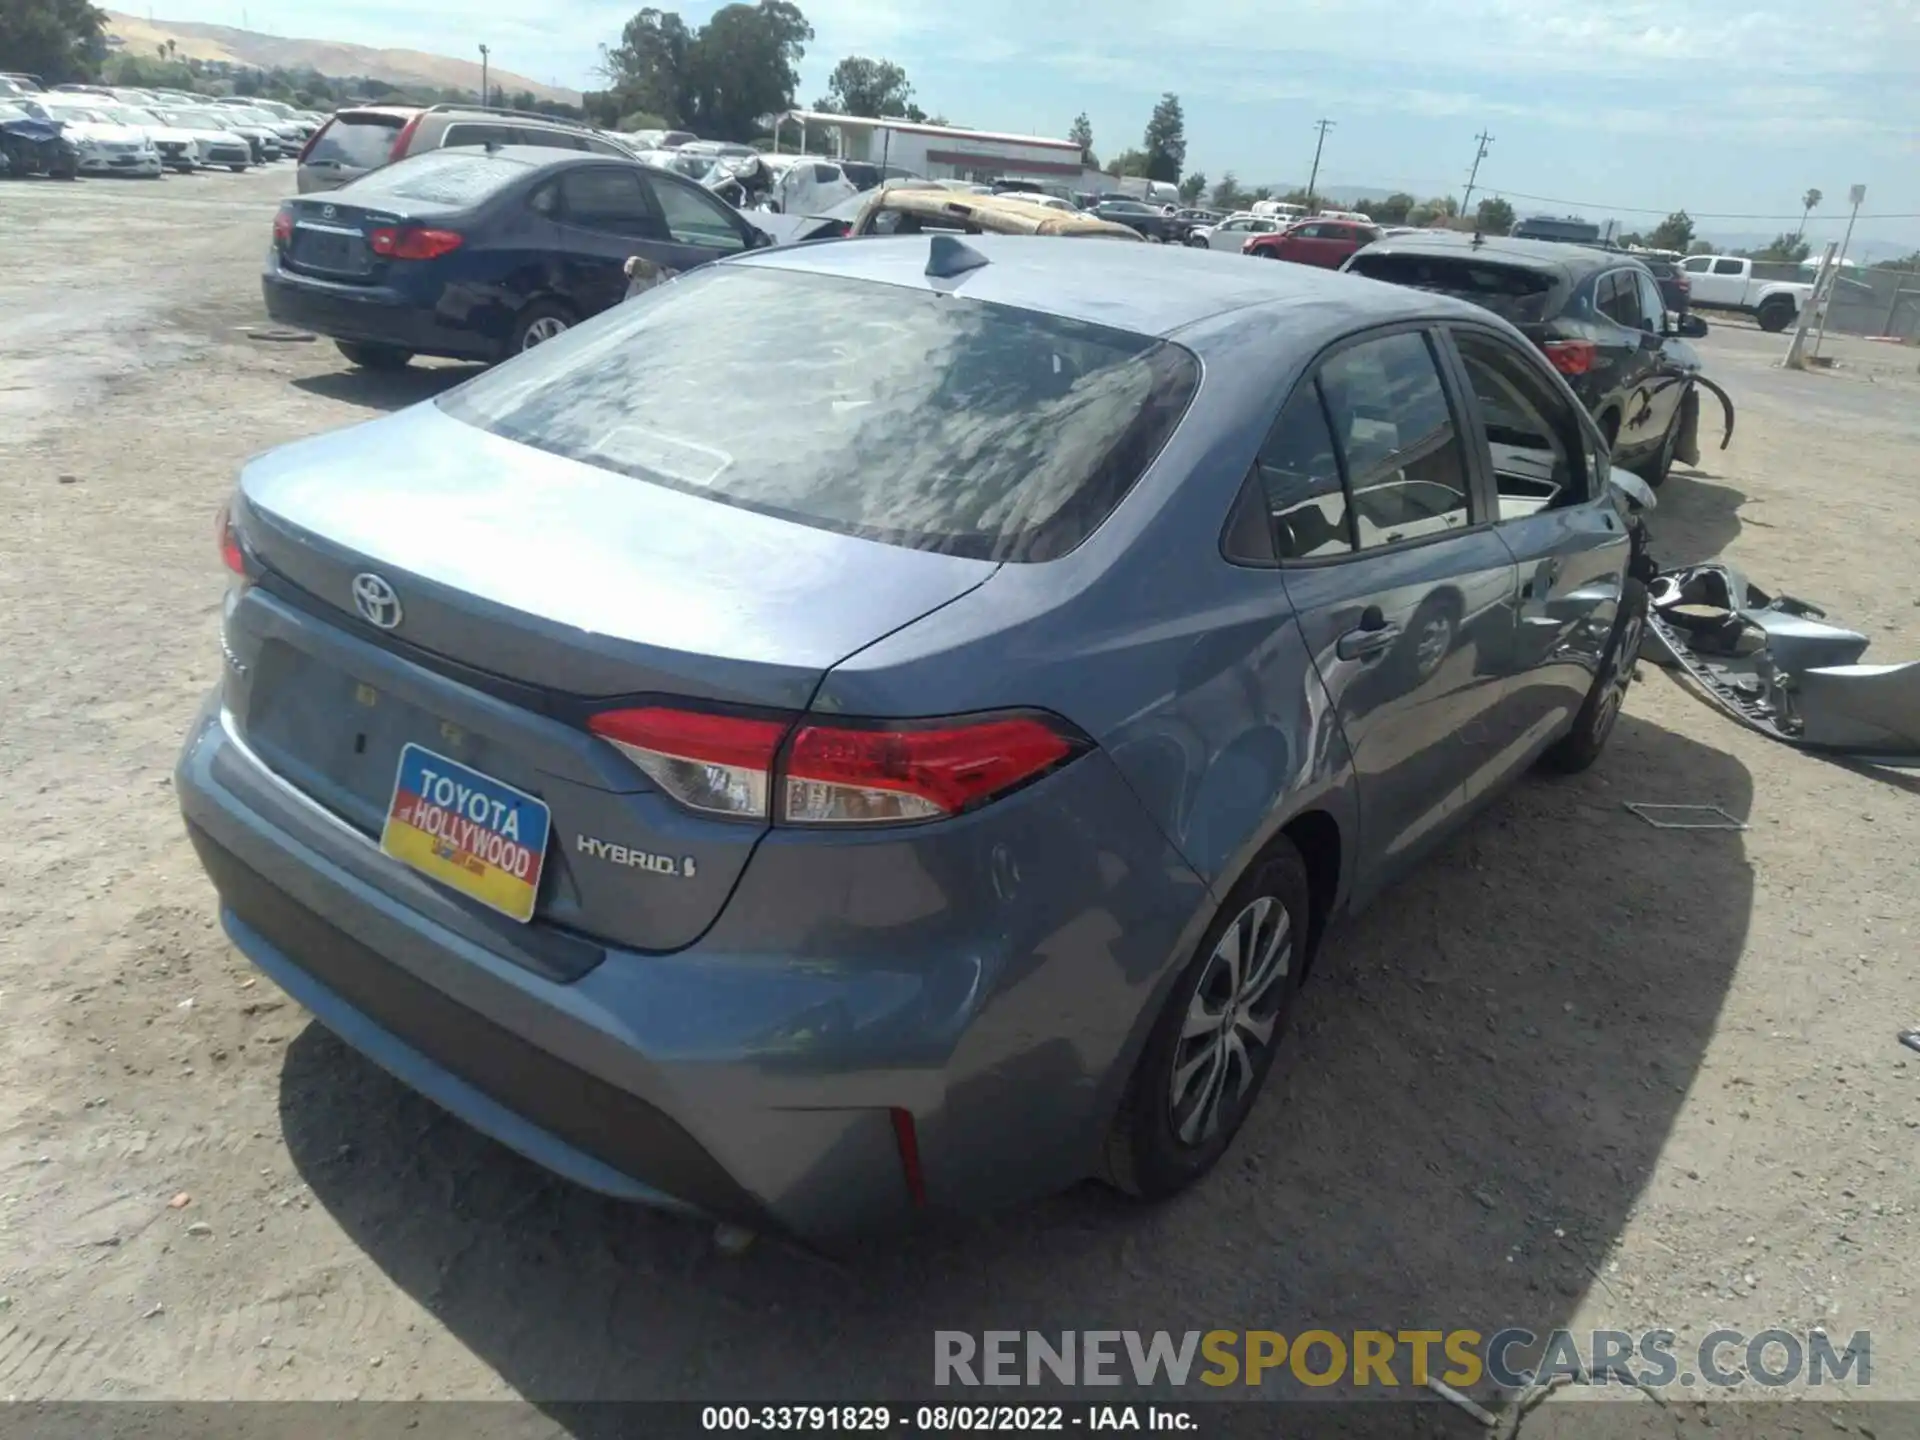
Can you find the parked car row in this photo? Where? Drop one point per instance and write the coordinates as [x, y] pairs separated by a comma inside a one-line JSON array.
[[74, 130]]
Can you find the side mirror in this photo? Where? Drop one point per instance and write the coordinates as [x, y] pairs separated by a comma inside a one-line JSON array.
[[1637, 493]]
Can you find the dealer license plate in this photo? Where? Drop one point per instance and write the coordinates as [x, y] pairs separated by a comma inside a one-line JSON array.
[[468, 831]]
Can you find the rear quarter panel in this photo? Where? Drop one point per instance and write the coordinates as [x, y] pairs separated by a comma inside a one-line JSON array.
[[1190, 672]]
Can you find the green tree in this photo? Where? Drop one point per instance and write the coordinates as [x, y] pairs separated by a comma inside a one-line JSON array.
[[647, 70], [1493, 216], [1807, 202], [720, 80], [1165, 142], [1081, 134], [1193, 187], [1228, 195], [1787, 245], [874, 88], [1392, 210], [1130, 162], [1673, 233], [1441, 207]]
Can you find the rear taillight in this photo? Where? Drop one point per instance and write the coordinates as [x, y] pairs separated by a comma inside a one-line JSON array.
[[720, 764], [283, 225], [230, 553], [1686, 285], [400, 141], [1570, 357], [834, 775], [412, 242], [840, 773]]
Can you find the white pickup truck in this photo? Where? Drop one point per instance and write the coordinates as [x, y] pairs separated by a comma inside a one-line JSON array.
[[1725, 282]]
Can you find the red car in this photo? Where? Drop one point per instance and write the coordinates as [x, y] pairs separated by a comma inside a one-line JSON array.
[[1326, 243]]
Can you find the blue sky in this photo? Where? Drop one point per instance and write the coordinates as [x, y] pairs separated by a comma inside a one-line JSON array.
[[1721, 106]]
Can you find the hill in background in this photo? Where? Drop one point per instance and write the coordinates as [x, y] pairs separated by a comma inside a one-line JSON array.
[[332, 58]]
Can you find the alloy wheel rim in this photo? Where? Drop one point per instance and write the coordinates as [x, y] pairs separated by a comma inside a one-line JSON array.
[[1619, 674], [1230, 1020], [543, 330], [1435, 636]]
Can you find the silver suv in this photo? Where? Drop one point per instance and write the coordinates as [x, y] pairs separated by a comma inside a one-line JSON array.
[[366, 137]]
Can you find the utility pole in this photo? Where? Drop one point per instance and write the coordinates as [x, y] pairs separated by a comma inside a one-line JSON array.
[[1484, 140], [486, 95], [1322, 126], [1857, 196]]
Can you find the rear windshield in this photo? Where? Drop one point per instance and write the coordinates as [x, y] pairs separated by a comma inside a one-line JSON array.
[[362, 141], [923, 420], [1512, 293], [1580, 232], [439, 177]]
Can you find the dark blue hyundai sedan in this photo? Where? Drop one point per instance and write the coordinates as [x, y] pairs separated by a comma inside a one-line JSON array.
[[885, 725], [479, 253]]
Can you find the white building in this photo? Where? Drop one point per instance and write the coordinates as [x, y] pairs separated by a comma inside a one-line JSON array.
[[935, 152]]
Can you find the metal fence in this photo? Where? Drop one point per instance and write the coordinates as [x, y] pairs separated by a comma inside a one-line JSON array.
[[1865, 302]]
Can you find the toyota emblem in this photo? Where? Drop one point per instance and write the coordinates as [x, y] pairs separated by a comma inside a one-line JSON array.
[[375, 600]]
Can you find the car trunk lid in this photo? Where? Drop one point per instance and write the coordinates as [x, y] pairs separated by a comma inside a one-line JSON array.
[[529, 592]]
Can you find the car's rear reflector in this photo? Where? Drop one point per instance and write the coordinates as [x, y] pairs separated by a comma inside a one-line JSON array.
[[720, 764], [398, 151], [839, 773], [1570, 357], [907, 1140]]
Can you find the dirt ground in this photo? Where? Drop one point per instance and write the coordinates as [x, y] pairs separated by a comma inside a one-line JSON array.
[[1578, 1071]]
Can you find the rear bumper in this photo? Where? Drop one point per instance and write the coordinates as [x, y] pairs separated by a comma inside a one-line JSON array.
[[369, 313], [752, 1075]]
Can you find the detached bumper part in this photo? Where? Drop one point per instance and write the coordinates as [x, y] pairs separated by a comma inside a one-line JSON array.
[[1778, 666]]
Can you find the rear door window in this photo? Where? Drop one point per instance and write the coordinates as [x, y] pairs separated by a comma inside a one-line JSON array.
[[470, 133], [1726, 267], [1406, 470], [1300, 479], [543, 135], [925, 420], [362, 142], [609, 198], [1616, 297]]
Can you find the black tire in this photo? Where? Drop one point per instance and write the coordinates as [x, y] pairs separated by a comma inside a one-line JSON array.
[[374, 357], [1776, 314], [238, 169], [1147, 1156], [1582, 745], [1654, 468], [531, 327]]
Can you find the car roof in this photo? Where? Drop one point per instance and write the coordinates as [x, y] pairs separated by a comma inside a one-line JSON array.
[[1570, 261], [1148, 289], [548, 157]]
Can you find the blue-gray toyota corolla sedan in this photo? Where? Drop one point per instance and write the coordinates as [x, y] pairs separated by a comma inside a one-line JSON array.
[[883, 726]]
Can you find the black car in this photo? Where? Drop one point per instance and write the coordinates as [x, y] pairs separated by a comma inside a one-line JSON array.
[[1149, 220], [1596, 314], [1675, 288], [479, 253]]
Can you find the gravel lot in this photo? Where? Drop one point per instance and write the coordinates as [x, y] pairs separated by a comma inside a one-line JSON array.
[[1578, 1071]]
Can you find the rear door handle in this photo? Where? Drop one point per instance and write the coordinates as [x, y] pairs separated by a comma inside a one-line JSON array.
[[1359, 644]]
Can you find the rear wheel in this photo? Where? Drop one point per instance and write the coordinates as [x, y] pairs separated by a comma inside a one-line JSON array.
[[1654, 470], [1595, 722], [1776, 314], [238, 169], [537, 324], [374, 357], [1213, 1045]]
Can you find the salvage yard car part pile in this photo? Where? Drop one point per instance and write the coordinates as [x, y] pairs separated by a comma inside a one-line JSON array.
[[1777, 665]]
